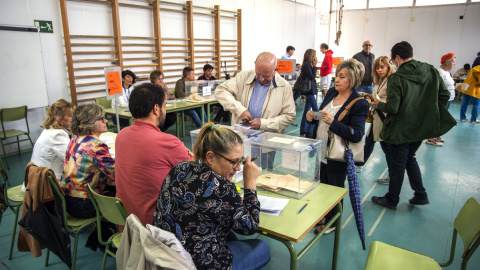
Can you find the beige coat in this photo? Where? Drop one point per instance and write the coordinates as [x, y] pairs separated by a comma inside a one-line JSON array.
[[379, 91], [278, 109]]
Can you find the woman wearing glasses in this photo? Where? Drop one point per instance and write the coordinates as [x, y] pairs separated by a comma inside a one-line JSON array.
[[87, 161], [201, 206]]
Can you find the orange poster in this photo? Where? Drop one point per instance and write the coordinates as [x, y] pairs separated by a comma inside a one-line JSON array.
[[337, 60], [114, 83], [284, 66]]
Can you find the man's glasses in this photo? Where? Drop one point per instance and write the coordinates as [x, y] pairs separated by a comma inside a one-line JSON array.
[[368, 45], [234, 163]]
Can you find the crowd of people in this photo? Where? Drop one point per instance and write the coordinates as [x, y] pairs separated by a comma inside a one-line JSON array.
[[191, 194]]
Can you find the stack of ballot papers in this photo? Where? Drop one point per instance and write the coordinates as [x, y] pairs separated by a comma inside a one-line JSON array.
[[271, 206]]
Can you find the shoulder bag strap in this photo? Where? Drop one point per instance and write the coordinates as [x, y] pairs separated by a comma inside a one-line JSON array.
[[348, 108]]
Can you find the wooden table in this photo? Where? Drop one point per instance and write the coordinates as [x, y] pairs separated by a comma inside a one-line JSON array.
[[291, 227], [178, 106]]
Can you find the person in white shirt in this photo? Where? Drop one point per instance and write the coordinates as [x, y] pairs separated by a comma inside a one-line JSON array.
[[50, 148], [128, 80], [289, 53]]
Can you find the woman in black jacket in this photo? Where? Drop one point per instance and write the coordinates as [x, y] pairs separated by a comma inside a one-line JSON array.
[[309, 70], [348, 76]]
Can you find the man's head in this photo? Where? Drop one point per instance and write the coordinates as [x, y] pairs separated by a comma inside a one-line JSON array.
[[265, 67], [156, 77], [189, 74], [207, 71], [367, 46], [478, 54], [290, 50], [466, 66], [147, 102], [401, 52], [324, 47]]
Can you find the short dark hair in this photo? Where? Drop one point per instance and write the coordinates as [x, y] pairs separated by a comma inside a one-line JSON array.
[[324, 46], [154, 75], [466, 66], [143, 99], [207, 67], [290, 48], [187, 70], [402, 49], [128, 72]]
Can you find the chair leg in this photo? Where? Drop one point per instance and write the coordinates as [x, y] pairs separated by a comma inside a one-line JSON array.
[[5, 155], [18, 145], [74, 257], [105, 256], [46, 257], [30, 139], [16, 212]]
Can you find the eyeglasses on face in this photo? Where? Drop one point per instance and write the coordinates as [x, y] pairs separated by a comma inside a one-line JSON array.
[[368, 45], [103, 119], [234, 163]]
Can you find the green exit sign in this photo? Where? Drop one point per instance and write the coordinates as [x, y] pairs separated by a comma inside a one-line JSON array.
[[44, 26]]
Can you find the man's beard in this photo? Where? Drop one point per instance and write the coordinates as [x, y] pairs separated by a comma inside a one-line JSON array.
[[161, 119]]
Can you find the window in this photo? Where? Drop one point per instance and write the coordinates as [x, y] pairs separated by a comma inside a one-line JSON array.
[[390, 3], [438, 2]]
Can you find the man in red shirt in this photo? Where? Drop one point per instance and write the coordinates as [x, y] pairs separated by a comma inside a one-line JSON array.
[[326, 68], [143, 154]]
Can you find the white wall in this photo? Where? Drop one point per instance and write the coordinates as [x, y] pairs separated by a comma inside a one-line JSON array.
[[432, 31], [268, 25]]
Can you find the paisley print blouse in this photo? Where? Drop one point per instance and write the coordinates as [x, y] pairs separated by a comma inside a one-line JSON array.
[[200, 207]]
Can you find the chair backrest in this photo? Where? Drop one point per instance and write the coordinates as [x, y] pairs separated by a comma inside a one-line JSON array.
[[110, 208], [13, 114], [467, 225], [103, 101], [60, 194]]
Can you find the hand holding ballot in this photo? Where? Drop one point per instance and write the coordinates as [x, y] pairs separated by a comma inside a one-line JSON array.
[[250, 174]]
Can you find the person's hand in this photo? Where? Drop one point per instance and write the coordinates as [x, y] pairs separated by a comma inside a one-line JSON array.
[[250, 174], [362, 94], [458, 87], [246, 116], [374, 103], [310, 116], [327, 117], [255, 123], [190, 153]]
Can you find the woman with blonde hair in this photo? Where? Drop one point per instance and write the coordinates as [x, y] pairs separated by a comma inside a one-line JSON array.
[[87, 160], [309, 70], [50, 148], [200, 204], [382, 69]]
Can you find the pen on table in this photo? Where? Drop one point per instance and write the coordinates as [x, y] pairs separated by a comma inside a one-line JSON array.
[[303, 208], [253, 159]]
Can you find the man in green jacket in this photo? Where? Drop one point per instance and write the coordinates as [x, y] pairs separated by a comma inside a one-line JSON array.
[[415, 107]]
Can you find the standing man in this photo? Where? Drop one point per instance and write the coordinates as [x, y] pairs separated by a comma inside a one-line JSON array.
[[413, 114], [476, 62], [289, 53], [259, 98], [366, 58], [188, 76], [156, 77], [144, 155], [326, 68]]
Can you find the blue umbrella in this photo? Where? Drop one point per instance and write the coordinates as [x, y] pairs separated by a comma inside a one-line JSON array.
[[354, 193]]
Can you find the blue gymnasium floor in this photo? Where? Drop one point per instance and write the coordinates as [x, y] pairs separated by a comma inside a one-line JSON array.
[[450, 173]]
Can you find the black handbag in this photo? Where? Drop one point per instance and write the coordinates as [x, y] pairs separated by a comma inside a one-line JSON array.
[[303, 86]]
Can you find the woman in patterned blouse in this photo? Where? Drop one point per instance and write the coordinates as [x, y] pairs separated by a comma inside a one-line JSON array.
[[87, 160], [201, 206]]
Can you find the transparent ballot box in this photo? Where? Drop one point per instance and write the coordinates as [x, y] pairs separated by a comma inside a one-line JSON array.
[[204, 90], [289, 165], [242, 131]]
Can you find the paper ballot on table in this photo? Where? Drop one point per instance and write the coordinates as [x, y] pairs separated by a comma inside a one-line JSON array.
[[107, 139], [272, 206]]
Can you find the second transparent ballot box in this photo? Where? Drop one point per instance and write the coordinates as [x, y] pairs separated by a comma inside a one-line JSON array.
[[201, 90], [289, 165]]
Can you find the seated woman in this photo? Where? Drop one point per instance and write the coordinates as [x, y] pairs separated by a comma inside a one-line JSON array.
[[156, 77], [50, 148], [87, 160], [201, 206], [348, 76]]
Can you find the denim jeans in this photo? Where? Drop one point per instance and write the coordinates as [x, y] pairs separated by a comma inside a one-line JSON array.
[[248, 254], [402, 157], [367, 148], [448, 105], [80, 207], [365, 88], [311, 102], [475, 107], [296, 95], [194, 114]]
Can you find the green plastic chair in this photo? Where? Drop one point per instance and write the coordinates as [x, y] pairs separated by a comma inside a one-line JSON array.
[[13, 114], [73, 225], [13, 199], [467, 225], [113, 210]]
